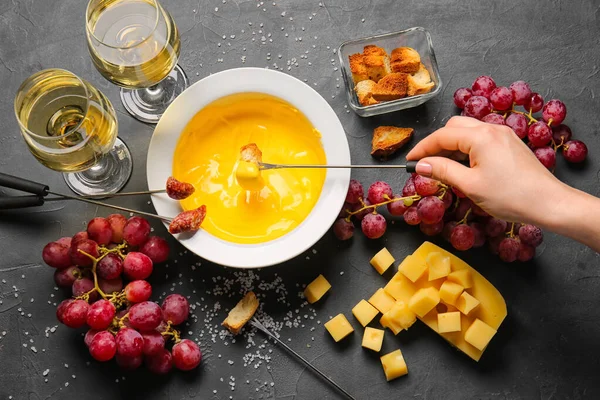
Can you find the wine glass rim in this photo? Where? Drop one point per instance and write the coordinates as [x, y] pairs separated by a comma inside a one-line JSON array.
[[88, 28], [71, 130]]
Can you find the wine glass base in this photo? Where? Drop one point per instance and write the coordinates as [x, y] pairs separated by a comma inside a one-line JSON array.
[[108, 176], [148, 105]]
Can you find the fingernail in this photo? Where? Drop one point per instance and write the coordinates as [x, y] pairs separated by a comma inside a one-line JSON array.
[[424, 168]]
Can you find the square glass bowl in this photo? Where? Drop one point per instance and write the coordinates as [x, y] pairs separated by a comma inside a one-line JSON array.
[[417, 38]]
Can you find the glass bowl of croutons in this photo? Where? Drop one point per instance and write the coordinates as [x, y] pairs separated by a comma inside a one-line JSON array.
[[390, 72]]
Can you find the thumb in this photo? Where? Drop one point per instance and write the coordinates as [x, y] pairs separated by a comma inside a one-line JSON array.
[[445, 170]]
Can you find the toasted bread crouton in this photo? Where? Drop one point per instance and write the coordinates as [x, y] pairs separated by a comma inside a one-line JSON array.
[[377, 66], [392, 87], [357, 67], [388, 139], [364, 91], [241, 313], [251, 153], [372, 50], [420, 82], [405, 59]]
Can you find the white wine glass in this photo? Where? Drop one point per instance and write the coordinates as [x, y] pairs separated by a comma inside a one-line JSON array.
[[135, 44], [70, 126]]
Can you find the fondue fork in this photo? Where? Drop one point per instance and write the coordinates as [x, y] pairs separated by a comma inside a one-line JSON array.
[[409, 166]]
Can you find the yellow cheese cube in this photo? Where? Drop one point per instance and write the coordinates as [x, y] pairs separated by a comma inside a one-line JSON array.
[[424, 300], [398, 317], [449, 322], [394, 365], [316, 289], [399, 286], [373, 338], [462, 277], [339, 327], [439, 265], [382, 301], [479, 334], [450, 292], [364, 312], [412, 267], [466, 303], [382, 261]]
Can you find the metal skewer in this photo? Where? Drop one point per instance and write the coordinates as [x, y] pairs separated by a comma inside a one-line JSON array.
[[255, 323], [123, 194], [409, 166]]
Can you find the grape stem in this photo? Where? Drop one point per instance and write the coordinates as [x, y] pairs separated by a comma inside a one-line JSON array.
[[414, 198], [511, 234], [170, 331], [464, 219], [118, 298]]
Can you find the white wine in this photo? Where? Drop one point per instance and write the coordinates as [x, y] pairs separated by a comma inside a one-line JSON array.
[[66, 122], [133, 43]]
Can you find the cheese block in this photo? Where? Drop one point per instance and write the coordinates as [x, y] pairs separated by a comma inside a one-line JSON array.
[[373, 338], [382, 261], [339, 327], [394, 365], [491, 309], [316, 289], [364, 312], [382, 301]]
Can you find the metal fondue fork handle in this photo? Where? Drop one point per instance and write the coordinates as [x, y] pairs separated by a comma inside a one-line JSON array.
[[409, 166]]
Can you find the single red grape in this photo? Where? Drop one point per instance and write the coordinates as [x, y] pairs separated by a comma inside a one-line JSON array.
[[426, 186], [501, 98], [409, 187], [448, 199], [554, 111], [79, 236], [479, 234], [561, 134], [110, 267], [145, 316], [343, 229], [411, 216], [373, 226], [117, 224], [461, 96], [65, 240], [462, 237], [57, 255], [75, 313], [534, 103], [66, 277], [518, 123], [432, 229], [526, 252], [539, 134], [86, 245], [175, 309], [575, 151], [101, 314], [129, 342], [447, 231], [109, 286], [521, 92], [154, 342], [136, 231], [360, 215], [493, 118], [100, 231], [356, 192], [160, 363], [477, 107], [431, 210], [89, 335], [137, 266], [495, 227], [156, 248], [138, 291], [186, 355], [397, 208], [531, 235], [546, 156], [62, 308], [129, 363], [82, 286], [483, 86], [103, 346], [379, 192], [508, 249]]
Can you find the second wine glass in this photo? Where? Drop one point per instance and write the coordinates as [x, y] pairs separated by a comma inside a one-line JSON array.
[[135, 44]]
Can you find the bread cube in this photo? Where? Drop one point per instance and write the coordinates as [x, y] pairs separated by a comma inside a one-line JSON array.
[[449, 322], [357, 67], [479, 334], [364, 92], [382, 260], [372, 50], [316, 289], [462, 277], [388, 139], [439, 265], [391, 87], [373, 338], [424, 300], [466, 303], [364, 312], [405, 59], [382, 301], [394, 365], [339, 327], [420, 82], [399, 317], [450, 292], [377, 65], [412, 267]]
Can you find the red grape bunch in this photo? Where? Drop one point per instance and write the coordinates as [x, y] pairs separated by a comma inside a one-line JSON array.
[[437, 209], [497, 105], [123, 323]]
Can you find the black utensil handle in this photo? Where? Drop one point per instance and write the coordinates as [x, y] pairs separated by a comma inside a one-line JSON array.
[[411, 166], [24, 185], [7, 203]]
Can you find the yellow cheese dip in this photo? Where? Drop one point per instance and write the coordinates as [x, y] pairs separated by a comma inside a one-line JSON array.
[[207, 156]]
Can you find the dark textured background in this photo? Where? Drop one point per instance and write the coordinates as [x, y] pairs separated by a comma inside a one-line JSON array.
[[547, 347]]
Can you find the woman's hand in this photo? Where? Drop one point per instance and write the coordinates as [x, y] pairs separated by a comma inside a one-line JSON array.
[[505, 178]]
